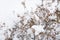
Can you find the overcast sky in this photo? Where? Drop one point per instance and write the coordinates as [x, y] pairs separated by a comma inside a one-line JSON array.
[[7, 9]]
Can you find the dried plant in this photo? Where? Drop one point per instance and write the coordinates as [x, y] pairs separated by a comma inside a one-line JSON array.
[[22, 27], [41, 16]]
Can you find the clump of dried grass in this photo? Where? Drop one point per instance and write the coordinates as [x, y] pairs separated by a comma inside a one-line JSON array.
[[43, 15]]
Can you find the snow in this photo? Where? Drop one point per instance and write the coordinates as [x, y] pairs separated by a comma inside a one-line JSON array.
[[38, 29], [10, 8]]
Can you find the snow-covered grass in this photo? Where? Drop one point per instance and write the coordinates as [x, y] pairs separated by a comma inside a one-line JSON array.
[[9, 9]]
